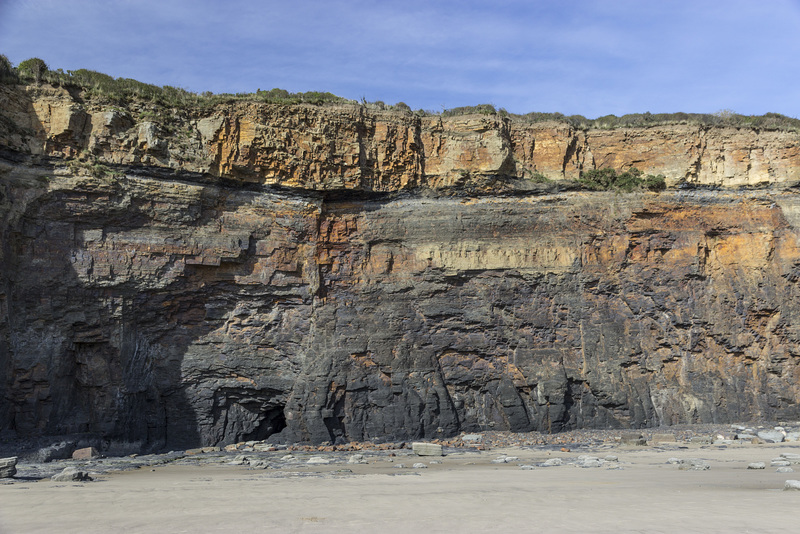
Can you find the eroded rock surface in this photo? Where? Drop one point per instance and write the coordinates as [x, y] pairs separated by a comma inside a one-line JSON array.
[[352, 147], [185, 310]]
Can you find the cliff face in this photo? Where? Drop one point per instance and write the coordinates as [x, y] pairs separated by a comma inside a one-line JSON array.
[[351, 148], [183, 309]]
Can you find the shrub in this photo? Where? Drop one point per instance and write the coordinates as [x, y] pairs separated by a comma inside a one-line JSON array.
[[7, 72], [33, 68], [627, 181], [482, 109], [539, 178]]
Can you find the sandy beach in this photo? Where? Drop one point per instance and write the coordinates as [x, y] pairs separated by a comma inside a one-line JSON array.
[[634, 489]]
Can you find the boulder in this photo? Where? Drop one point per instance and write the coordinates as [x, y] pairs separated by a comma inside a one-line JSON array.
[[87, 453], [427, 449], [772, 436], [757, 465], [694, 464], [791, 485], [590, 461], [632, 438], [8, 467], [71, 474]]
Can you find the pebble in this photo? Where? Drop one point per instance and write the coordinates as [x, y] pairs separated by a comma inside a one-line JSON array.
[[780, 462], [527, 467], [784, 470], [757, 465], [419, 465], [611, 458]]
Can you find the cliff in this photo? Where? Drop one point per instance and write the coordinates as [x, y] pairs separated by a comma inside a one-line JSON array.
[[186, 276]]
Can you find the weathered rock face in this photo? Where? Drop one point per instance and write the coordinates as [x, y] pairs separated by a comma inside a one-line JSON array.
[[352, 148], [187, 310]]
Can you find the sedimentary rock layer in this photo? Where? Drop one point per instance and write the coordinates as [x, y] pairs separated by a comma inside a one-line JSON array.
[[176, 312], [205, 276], [354, 148]]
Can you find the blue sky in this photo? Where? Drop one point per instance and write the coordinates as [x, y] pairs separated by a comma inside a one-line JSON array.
[[579, 57]]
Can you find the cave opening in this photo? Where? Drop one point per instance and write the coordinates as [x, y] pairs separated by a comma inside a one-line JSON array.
[[273, 421]]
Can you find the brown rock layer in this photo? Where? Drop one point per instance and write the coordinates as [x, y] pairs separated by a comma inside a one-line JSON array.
[[352, 148]]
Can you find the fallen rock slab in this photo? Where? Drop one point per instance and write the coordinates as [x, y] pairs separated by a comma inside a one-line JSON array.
[[87, 453], [8, 467], [772, 436], [427, 449]]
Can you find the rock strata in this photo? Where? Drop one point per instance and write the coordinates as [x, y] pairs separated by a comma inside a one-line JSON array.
[[301, 274]]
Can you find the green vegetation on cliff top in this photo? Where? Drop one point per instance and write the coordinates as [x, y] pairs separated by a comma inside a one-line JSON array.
[[123, 91]]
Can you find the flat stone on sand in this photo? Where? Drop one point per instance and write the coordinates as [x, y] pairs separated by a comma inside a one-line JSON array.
[[427, 449], [792, 485]]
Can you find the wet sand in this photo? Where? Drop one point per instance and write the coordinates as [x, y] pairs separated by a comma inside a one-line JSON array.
[[466, 492]]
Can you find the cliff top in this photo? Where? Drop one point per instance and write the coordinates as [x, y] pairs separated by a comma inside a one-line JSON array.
[[319, 141]]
